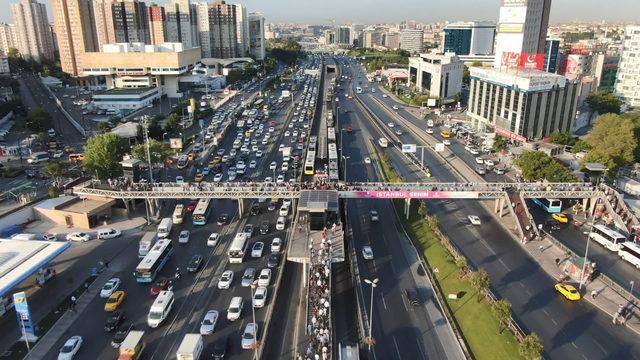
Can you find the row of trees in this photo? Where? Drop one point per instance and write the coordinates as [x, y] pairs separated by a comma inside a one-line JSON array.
[[284, 50], [613, 141], [538, 166]]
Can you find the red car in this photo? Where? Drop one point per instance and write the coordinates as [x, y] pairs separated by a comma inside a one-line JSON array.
[[349, 129], [160, 285], [191, 206], [171, 160], [273, 123]]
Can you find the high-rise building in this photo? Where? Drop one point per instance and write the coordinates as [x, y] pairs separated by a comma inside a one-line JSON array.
[[629, 70], [75, 32], [329, 37], [156, 18], [551, 52], [256, 36], [469, 38], [181, 24], [412, 40], [103, 17], [343, 35], [130, 22], [242, 29], [203, 28], [33, 32], [223, 30], [605, 69], [371, 38], [7, 37], [522, 30], [391, 40]]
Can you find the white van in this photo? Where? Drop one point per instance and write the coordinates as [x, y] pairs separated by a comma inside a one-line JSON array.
[[160, 308], [190, 348], [38, 157], [24, 237], [108, 233], [235, 308], [164, 229]]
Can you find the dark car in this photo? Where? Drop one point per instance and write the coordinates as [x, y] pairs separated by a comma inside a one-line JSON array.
[[191, 206], [272, 206], [223, 219], [116, 318], [220, 348], [248, 228], [412, 297], [264, 227], [217, 168], [194, 263], [273, 260], [120, 335], [160, 285], [255, 209]]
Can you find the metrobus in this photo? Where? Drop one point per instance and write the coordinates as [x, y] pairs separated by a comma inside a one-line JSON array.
[[154, 261], [630, 251], [310, 163], [238, 248], [178, 214], [313, 142], [551, 206], [258, 103], [201, 212], [607, 237]]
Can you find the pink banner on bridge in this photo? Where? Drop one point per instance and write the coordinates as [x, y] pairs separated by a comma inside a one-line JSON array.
[[412, 194]]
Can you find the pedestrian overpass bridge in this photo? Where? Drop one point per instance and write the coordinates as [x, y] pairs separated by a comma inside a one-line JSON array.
[[345, 190]]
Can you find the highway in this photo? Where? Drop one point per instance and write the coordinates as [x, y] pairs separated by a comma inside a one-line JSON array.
[[196, 293], [401, 331], [568, 330]]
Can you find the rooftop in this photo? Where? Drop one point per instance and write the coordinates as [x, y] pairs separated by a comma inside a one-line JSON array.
[[524, 79], [125, 91]]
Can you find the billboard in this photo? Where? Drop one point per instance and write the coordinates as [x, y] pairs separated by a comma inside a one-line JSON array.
[[408, 194], [510, 28], [510, 135], [25, 321], [514, 14], [409, 148], [175, 143], [515, 60]]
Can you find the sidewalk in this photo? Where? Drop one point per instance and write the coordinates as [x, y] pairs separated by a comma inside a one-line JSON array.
[[60, 328]]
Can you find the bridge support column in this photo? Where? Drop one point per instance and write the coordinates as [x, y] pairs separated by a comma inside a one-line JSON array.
[[496, 205], [501, 202], [127, 205], [240, 207], [592, 207], [585, 204], [407, 207], [152, 207]]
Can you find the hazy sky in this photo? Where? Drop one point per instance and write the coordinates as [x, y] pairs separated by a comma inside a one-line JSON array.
[[379, 11]]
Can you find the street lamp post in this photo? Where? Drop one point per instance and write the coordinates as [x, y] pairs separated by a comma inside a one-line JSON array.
[[344, 159], [253, 313], [373, 284], [586, 253]]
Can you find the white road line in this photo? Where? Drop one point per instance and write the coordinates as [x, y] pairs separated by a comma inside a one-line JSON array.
[[574, 344], [521, 284], [241, 325], [397, 348], [503, 264], [604, 351], [546, 312], [424, 356], [554, 322], [384, 303], [375, 268]]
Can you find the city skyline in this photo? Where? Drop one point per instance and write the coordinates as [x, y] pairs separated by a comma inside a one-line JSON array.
[[306, 12]]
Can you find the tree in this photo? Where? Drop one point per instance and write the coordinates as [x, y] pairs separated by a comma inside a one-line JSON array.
[[531, 347], [466, 75], [38, 120], [614, 141], [159, 152], [580, 145], [103, 154], [54, 170], [13, 53], [502, 310], [563, 138], [462, 265], [537, 166], [172, 123], [104, 126], [603, 103], [284, 50], [422, 210], [54, 192], [500, 143], [480, 282]]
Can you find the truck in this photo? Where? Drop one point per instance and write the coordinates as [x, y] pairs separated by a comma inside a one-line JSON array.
[[147, 241], [190, 347], [132, 346]]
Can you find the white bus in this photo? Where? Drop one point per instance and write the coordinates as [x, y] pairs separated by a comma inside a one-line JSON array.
[[607, 237], [201, 212], [154, 261], [238, 248], [178, 214], [630, 251], [146, 243]]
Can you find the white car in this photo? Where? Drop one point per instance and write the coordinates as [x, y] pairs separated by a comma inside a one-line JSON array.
[[374, 216], [367, 252], [212, 240], [446, 141], [268, 179], [256, 250], [280, 179], [109, 287], [367, 160], [385, 95], [479, 160], [260, 297], [208, 324], [179, 179], [286, 201], [254, 148], [284, 210], [259, 154], [287, 133], [489, 162], [272, 129], [429, 130], [281, 223], [285, 166], [273, 165], [264, 279], [108, 233], [475, 220], [50, 237], [78, 236], [391, 125], [58, 154], [276, 245], [225, 280], [249, 336], [217, 177], [70, 348], [183, 238], [252, 164], [395, 107]]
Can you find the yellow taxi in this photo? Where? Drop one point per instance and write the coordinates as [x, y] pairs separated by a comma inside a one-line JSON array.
[[114, 301], [568, 291], [191, 156], [445, 134], [199, 177], [216, 160], [560, 217]]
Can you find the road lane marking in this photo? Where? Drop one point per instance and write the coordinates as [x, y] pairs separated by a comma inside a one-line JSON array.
[[397, 348], [424, 356], [574, 344], [503, 264], [604, 351], [554, 322], [384, 303], [241, 324]]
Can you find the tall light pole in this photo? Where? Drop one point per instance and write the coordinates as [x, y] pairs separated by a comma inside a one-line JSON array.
[[344, 160], [373, 284], [253, 313], [586, 251]]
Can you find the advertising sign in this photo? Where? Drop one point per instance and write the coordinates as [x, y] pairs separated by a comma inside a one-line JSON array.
[[431, 102], [409, 148], [515, 60], [22, 312], [510, 28], [175, 143], [510, 135], [406, 194]]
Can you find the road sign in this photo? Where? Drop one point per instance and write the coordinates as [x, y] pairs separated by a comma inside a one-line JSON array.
[[409, 148], [439, 147]]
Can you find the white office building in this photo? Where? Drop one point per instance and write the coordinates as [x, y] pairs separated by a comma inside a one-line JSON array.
[[521, 104], [522, 28], [628, 79], [439, 74], [412, 40]]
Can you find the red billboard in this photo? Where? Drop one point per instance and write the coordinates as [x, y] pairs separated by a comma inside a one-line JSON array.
[[514, 60]]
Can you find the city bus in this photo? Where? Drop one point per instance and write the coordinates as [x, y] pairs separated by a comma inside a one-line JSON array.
[[238, 248], [551, 206], [178, 214], [310, 163], [154, 261], [607, 237], [630, 251], [201, 212]]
